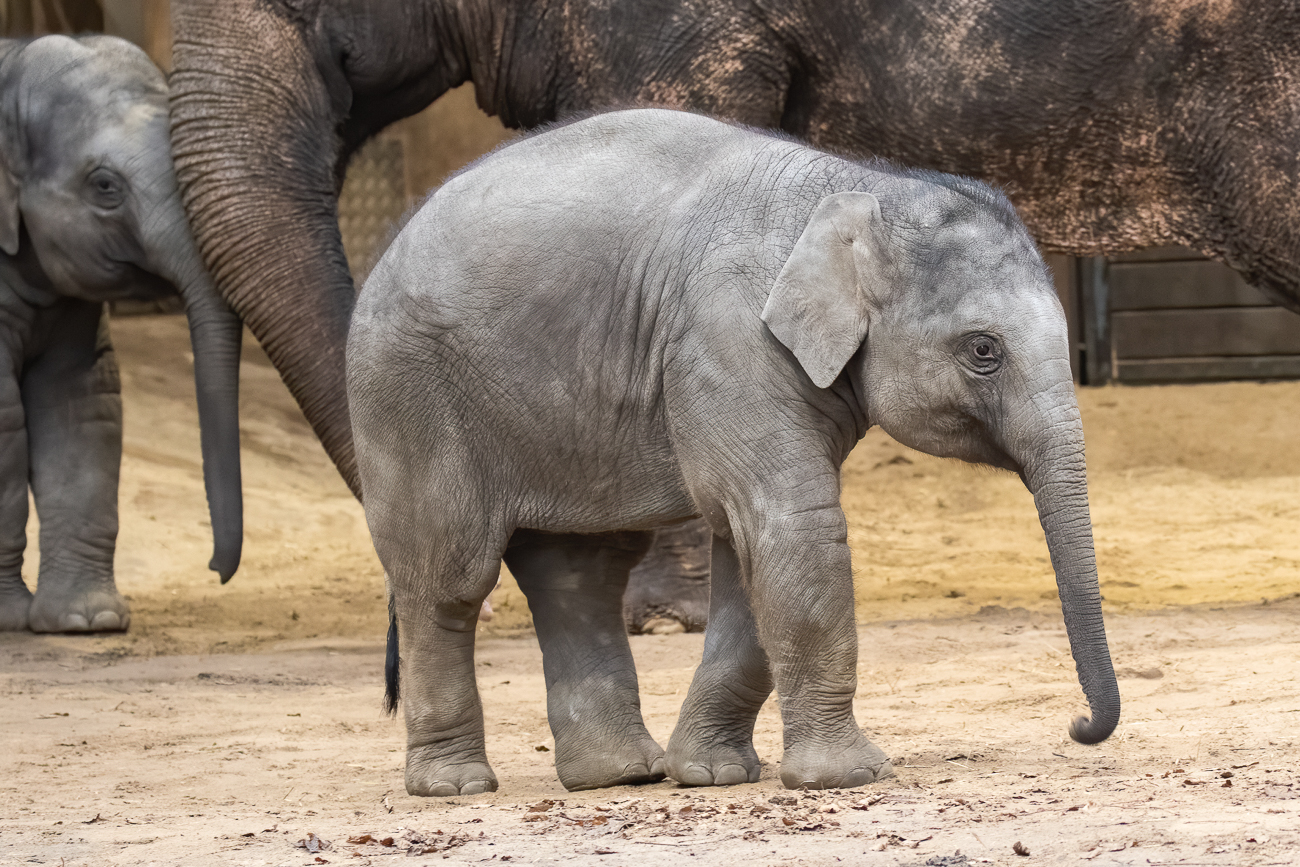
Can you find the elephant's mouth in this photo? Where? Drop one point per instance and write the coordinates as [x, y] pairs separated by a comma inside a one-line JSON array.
[[125, 281]]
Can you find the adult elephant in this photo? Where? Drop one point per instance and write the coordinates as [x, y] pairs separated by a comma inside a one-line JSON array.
[[1112, 124]]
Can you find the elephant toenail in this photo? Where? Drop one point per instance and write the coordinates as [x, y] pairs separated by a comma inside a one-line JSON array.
[[107, 621], [730, 775], [75, 623], [478, 787]]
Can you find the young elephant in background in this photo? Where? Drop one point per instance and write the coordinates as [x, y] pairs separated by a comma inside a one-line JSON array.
[[649, 315], [90, 212]]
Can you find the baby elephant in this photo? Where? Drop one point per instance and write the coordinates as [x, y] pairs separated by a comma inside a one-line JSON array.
[[649, 315], [90, 212]]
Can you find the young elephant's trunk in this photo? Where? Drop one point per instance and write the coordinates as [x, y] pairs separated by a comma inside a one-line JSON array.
[[216, 334], [1057, 477]]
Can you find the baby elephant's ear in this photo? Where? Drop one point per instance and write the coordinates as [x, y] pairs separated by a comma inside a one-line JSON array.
[[819, 304], [9, 216]]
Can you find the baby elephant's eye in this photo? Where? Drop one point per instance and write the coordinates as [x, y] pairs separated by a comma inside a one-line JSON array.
[[981, 352], [105, 189]]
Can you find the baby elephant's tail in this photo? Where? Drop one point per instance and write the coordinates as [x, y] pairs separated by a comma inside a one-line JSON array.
[[392, 662]]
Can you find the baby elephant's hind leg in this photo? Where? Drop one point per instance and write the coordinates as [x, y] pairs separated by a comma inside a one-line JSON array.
[[574, 586], [438, 596], [713, 744]]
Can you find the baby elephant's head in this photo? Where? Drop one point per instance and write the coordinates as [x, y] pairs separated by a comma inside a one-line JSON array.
[[935, 298], [935, 301]]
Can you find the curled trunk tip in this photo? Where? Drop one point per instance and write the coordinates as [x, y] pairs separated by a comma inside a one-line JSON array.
[[1096, 728]]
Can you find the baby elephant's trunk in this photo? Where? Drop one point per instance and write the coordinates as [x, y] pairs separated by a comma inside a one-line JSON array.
[[1057, 477]]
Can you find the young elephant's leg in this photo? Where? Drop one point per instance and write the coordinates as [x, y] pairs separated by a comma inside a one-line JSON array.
[[801, 589], [713, 743], [72, 397], [574, 586], [439, 584], [15, 598]]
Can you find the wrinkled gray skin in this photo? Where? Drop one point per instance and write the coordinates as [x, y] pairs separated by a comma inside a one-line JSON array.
[[646, 316], [90, 212], [1112, 124]]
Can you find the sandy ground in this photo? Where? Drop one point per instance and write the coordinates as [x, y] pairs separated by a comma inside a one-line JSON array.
[[232, 723]]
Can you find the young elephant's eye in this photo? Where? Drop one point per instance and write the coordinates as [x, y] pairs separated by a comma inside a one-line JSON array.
[[981, 352], [105, 189]]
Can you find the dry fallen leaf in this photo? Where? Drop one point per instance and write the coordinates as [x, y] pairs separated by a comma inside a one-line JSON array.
[[312, 844]]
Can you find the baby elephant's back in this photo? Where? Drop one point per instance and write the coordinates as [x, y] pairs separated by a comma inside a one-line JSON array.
[[577, 205], [561, 240]]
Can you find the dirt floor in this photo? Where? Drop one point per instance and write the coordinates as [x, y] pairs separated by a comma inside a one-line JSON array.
[[242, 725]]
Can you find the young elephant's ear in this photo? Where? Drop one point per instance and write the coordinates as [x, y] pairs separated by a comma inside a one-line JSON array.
[[9, 215], [819, 304]]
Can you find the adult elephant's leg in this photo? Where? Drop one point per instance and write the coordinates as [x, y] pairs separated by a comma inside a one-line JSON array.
[[713, 743], [671, 583], [574, 586], [15, 598], [72, 397]]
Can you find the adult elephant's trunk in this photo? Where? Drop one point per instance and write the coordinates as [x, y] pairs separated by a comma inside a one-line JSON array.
[[1054, 472], [254, 137]]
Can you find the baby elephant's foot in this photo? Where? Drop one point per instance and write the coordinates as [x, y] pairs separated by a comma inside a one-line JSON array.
[[15, 605], [825, 766], [709, 761], [89, 607], [579, 768], [431, 773]]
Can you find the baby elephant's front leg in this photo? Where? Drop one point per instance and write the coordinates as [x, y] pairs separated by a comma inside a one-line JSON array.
[[15, 598], [574, 586], [73, 406], [802, 596]]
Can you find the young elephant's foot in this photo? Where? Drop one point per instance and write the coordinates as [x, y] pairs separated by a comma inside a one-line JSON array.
[[432, 773], [824, 766], [90, 607], [641, 761], [15, 606], [709, 758]]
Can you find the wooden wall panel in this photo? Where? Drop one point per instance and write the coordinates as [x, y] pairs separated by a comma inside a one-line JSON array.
[[1216, 331]]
